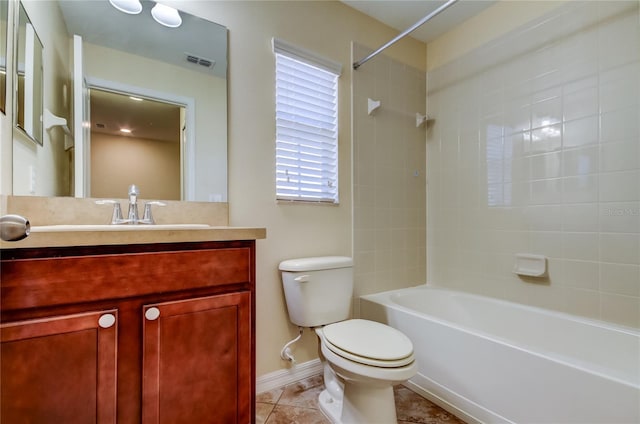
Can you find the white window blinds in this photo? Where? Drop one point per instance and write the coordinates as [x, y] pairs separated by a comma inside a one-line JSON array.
[[306, 125]]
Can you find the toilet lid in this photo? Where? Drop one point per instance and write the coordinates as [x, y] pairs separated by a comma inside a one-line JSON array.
[[369, 342]]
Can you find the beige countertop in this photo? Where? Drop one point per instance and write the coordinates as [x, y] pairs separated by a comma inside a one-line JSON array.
[[60, 214], [127, 236]]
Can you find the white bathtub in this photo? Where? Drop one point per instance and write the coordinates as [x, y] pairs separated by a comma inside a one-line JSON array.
[[488, 360]]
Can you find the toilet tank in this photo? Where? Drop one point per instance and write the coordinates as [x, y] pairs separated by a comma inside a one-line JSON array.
[[318, 290]]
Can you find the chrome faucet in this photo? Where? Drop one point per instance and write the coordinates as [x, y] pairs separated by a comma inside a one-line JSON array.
[[132, 215]]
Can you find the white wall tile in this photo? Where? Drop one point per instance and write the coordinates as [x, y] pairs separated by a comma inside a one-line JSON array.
[[619, 186], [581, 274], [547, 108], [389, 200], [544, 217], [620, 125], [620, 217], [580, 246], [620, 156], [617, 41], [582, 302], [623, 310], [581, 189], [581, 132], [547, 139], [543, 155], [620, 87], [581, 161], [547, 243], [620, 248], [548, 165], [581, 103], [620, 279], [517, 117], [546, 191], [581, 217]]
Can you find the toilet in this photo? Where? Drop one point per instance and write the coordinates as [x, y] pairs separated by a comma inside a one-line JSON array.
[[362, 359]]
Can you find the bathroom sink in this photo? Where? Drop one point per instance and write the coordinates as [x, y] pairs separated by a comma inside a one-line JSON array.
[[109, 227]]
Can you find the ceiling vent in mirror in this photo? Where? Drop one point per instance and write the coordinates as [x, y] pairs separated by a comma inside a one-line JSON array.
[[100, 125], [207, 63]]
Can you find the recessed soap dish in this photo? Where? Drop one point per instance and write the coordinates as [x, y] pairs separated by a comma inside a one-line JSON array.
[[530, 265]]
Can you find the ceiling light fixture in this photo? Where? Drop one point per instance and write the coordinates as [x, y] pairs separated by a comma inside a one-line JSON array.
[[165, 15], [125, 130], [132, 7]]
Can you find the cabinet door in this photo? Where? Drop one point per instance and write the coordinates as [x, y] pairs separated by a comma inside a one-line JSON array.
[[197, 361], [59, 369]]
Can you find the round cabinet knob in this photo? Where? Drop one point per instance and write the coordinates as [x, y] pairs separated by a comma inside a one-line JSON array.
[[152, 314], [107, 320]]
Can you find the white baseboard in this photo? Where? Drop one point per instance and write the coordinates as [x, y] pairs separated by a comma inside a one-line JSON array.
[[280, 378]]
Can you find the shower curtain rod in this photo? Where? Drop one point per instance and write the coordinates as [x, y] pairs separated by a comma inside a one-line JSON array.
[[403, 34]]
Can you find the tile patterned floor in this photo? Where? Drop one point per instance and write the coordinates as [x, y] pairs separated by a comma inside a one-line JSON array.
[[297, 403]]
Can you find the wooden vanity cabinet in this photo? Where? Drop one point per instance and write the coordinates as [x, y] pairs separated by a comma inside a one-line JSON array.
[[59, 369], [157, 333]]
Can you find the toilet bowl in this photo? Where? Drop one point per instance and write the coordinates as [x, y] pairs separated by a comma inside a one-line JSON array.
[[368, 358], [362, 359]]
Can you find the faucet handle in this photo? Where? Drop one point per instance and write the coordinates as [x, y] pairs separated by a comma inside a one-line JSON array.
[[147, 218], [116, 217]]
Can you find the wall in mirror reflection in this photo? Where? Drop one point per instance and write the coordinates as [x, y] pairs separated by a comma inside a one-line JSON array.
[[208, 92], [46, 170]]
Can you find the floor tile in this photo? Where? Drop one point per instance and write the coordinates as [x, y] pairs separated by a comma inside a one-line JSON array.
[[297, 403], [296, 415], [263, 410], [413, 408], [301, 395], [272, 396]]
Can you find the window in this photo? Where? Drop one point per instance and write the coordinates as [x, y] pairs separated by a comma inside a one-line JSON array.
[[306, 125]]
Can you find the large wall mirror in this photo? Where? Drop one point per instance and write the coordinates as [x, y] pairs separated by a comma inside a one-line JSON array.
[[132, 66], [29, 94]]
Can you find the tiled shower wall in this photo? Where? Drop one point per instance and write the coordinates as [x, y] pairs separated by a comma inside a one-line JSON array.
[[389, 176], [534, 148]]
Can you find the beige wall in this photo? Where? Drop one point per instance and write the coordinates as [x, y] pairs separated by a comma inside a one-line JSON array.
[[118, 161], [50, 162], [292, 230], [534, 149], [495, 21]]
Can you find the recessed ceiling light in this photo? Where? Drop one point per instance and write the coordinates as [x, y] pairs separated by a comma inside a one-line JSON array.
[[132, 7], [125, 130]]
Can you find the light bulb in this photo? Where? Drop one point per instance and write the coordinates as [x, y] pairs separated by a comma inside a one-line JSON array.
[[132, 7], [165, 15]]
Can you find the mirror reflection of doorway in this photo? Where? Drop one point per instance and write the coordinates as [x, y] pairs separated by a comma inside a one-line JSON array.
[[135, 140]]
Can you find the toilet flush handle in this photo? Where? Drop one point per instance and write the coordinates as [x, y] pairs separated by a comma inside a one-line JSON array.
[[303, 278]]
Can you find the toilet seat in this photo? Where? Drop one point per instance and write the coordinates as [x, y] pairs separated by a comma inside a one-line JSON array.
[[369, 343]]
